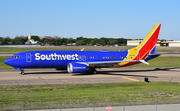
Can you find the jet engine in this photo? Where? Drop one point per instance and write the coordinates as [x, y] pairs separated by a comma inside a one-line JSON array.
[[76, 68]]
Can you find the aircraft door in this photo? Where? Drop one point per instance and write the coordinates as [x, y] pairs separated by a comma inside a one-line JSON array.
[[28, 57], [82, 58]]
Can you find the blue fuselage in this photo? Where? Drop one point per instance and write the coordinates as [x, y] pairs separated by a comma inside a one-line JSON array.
[[57, 59]]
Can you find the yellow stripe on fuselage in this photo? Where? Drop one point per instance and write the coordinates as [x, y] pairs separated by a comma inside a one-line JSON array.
[[132, 53]]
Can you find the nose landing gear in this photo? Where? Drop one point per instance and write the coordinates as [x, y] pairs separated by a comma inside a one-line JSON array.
[[22, 72], [21, 69]]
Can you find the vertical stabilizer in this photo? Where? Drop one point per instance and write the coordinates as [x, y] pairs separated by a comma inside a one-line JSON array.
[[147, 46], [149, 43]]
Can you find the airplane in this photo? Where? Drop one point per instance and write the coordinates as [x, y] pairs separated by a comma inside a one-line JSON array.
[[87, 61]]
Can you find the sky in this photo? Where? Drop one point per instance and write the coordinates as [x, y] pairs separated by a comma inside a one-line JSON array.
[[130, 19]]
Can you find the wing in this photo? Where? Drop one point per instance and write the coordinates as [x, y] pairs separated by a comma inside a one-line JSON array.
[[109, 63]]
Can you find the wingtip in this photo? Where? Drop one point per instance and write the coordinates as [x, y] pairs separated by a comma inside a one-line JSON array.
[[82, 49]]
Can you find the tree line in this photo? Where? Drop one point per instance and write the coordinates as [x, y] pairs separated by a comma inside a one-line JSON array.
[[64, 41]]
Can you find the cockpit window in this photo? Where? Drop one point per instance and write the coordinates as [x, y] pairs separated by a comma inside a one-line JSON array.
[[15, 56]]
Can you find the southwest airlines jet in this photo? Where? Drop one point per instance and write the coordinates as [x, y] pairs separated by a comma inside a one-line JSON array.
[[87, 61]]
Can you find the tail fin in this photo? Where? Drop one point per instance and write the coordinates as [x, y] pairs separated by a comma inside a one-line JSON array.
[[148, 45], [151, 39]]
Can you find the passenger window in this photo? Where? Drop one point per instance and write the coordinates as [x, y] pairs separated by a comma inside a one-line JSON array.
[[15, 56]]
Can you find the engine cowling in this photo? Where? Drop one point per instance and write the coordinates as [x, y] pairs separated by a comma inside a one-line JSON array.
[[76, 68]]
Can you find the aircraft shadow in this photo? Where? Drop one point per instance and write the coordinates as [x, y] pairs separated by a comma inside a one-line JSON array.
[[112, 73], [126, 71], [148, 70], [109, 72]]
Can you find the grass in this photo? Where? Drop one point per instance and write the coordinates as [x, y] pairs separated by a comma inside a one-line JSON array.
[[4, 66], [157, 62], [85, 94]]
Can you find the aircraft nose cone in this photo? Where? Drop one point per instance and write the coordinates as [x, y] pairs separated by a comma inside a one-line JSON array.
[[7, 61]]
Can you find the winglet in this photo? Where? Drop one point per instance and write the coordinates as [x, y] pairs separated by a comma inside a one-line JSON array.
[[82, 49]]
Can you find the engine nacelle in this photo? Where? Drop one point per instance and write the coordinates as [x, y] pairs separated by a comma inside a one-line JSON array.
[[76, 68]]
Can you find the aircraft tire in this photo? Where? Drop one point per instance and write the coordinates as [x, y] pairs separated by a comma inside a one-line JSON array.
[[22, 72], [93, 71]]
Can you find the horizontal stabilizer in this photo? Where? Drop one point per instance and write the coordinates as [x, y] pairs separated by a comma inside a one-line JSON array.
[[143, 61], [154, 54]]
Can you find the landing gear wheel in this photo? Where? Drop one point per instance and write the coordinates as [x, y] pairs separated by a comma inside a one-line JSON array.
[[93, 71], [22, 72]]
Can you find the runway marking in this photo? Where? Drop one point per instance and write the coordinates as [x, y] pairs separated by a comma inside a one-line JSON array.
[[130, 79]]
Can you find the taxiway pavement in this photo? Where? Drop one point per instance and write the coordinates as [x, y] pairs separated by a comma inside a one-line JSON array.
[[106, 75], [166, 107]]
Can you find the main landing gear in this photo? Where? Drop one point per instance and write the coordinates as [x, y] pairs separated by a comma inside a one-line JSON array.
[[92, 71]]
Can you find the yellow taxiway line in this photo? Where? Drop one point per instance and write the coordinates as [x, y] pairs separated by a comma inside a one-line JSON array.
[[130, 79]]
